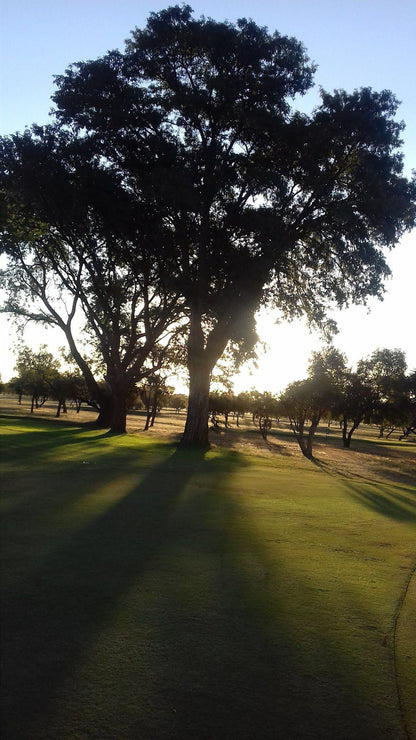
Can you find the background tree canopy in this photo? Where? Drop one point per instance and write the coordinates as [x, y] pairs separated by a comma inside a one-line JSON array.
[[255, 202]]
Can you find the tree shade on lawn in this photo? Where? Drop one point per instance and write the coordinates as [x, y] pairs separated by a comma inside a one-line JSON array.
[[181, 594]]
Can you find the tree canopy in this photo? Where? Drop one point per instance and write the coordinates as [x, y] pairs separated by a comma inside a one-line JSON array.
[[80, 252]]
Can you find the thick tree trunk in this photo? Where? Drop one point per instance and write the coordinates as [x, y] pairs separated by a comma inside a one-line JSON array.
[[311, 436], [196, 427], [300, 438], [309, 444], [119, 415], [347, 437], [105, 413], [202, 356]]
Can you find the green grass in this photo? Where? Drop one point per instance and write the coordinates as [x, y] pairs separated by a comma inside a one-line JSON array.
[[156, 593]]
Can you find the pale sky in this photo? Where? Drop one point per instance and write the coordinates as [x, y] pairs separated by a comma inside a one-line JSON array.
[[355, 43]]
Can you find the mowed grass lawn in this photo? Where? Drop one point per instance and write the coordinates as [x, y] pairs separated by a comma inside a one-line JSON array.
[[154, 593]]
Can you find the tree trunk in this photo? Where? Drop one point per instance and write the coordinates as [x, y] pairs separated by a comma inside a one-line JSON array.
[[196, 427], [309, 444], [316, 418], [148, 414], [119, 415], [105, 412], [300, 438], [202, 357], [345, 440]]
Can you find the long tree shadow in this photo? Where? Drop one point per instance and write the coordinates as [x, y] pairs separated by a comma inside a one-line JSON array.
[[45, 435], [58, 608], [386, 500], [264, 674], [221, 644], [171, 598]]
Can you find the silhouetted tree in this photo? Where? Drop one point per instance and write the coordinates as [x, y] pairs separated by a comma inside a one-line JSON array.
[[154, 393], [68, 387], [37, 371], [178, 401], [81, 248], [385, 371], [356, 404], [262, 204], [306, 401]]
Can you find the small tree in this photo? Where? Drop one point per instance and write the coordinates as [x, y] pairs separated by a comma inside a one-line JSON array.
[[153, 393], [264, 408], [356, 403], [66, 387], [37, 372], [303, 401], [243, 405], [178, 402], [16, 385], [385, 371]]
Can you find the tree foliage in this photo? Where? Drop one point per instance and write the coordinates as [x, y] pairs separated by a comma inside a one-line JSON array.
[[78, 252], [256, 202]]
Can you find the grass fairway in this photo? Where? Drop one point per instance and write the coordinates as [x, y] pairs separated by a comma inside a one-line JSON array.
[[154, 593]]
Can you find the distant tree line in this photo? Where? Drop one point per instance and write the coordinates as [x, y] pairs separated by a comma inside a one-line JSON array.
[[39, 376], [379, 391]]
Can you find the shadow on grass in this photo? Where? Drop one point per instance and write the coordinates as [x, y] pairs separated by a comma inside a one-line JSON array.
[[166, 617], [57, 609], [45, 435], [386, 500]]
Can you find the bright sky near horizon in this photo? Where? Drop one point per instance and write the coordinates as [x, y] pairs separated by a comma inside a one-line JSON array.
[[356, 43]]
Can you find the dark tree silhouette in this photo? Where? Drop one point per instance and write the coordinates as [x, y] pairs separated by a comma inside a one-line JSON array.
[[262, 204], [79, 250], [304, 402]]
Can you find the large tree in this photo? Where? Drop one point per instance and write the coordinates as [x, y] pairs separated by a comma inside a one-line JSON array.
[[262, 203], [82, 252]]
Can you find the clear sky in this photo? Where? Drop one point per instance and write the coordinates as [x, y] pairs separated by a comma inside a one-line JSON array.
[[355, 43]]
